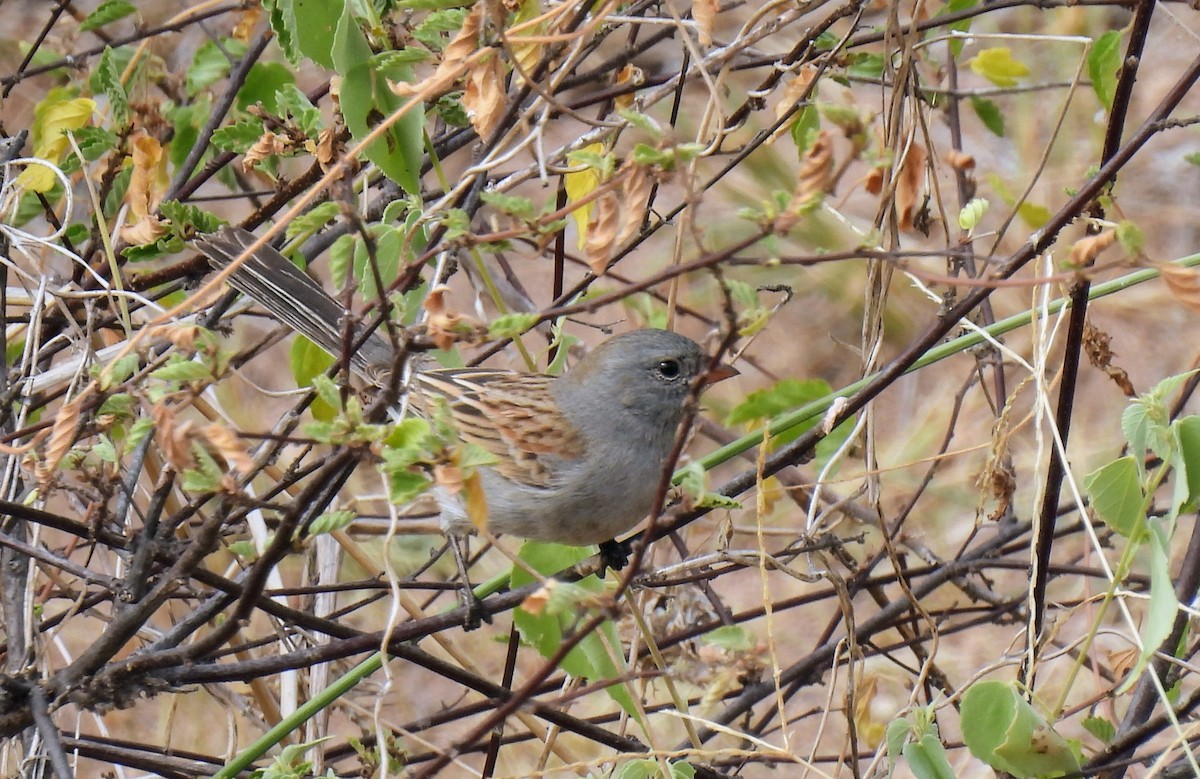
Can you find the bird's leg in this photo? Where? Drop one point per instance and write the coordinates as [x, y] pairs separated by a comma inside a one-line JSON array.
[[614, 554], [475, 613]]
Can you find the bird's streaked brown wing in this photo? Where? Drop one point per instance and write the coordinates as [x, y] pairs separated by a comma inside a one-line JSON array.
[[511, 415]]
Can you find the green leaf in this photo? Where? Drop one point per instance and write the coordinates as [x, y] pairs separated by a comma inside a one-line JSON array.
[[1116, 494], [512, 325], [315, 22], [1103, 61], [971, 213], [432, 31], [108, 75], [589, 658], [868, 65], [389, 243], [239, 136], [262, 85], [1163, 604], [989, 113], [927, 758], [309, 361], [785, 395], [210, 64], [1002, 729], [183, 370], [1101, 728], [95, 142], [731, 638], [805, 128], [405, 485], [514, 205], [206, 476], [1033, 215], [290, 102], [331, 521], [998, 66], [310, 223], [119, 370], [139, 431], [106, 13], [119, 405], [1187, 436], [1131, 237], [1193, 157]]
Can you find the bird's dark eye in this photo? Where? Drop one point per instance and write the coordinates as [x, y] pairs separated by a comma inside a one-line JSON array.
[[669, 369]]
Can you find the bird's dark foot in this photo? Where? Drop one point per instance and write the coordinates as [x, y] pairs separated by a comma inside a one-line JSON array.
[[474, 614], [614, 554]]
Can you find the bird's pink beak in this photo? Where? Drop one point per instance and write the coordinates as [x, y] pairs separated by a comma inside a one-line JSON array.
[[720, 372]]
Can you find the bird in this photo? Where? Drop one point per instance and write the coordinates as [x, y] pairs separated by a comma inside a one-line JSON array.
[[577, 457]]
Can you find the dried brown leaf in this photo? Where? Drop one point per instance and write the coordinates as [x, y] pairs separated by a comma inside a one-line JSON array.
[[1085, 250], [227, 444], [485, 98], [269, 145], [454, 60], [174, 437], [1183, 283], [148, 181], [795, 89], [635, 195], [602, 231], [329, 148], [630, 74], [62, 436], [447, 327], [246, 23], [908, 185], [874, 180], [1097, 344], [960, 160], [704, 12], [816, 170]]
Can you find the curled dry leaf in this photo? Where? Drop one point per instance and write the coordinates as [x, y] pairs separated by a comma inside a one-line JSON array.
[[62, 437], [537, 601], [454, 60], [269, 145], [1097, 344], [1085, 250], [485, 96], [174, 437], [602, 231], [795, 90], [960, 160], [246, 23], [814, 179], [147, 184], [447, 327], [630, 74], [329, 148], [226, 443], [908, 185], [704, 12], [1184, 283], [873, 183], [816, 170], [635, 195]]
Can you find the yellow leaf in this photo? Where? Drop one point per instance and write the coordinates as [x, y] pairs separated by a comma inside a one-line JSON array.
[[998, 66], [54, 118], [580, 184], [527, 54]]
